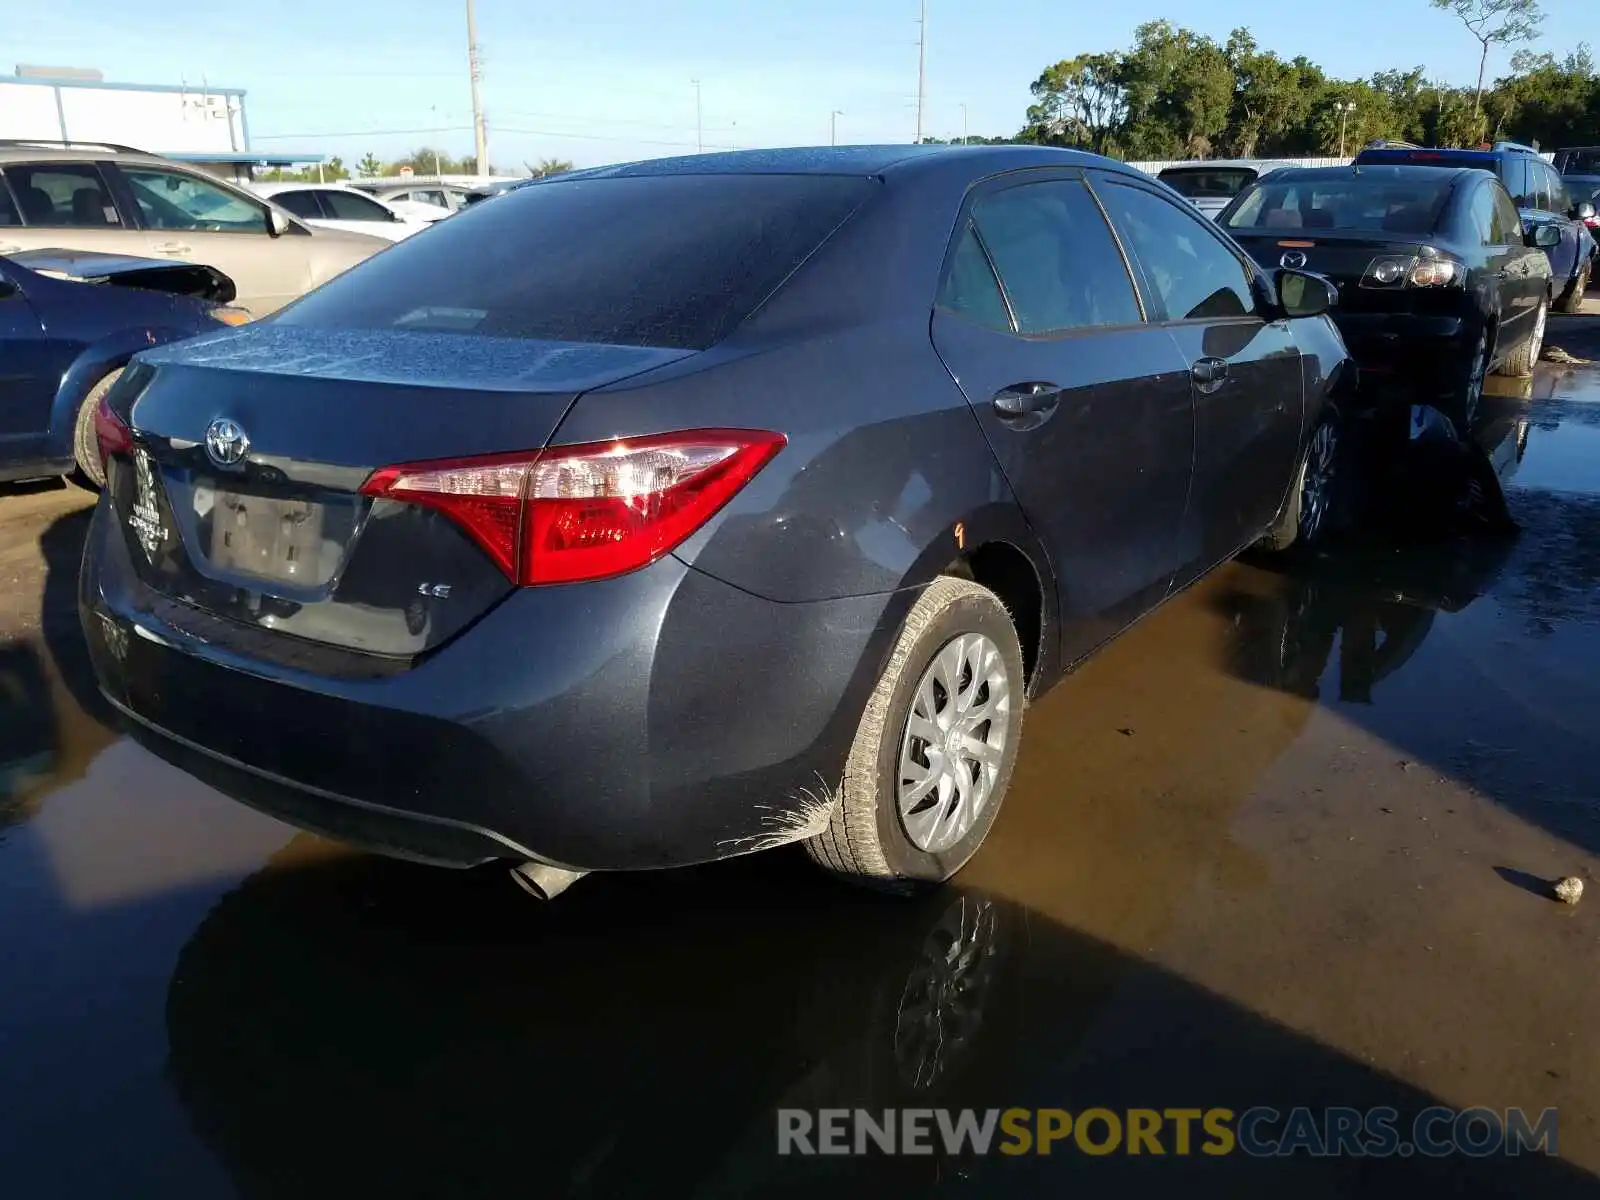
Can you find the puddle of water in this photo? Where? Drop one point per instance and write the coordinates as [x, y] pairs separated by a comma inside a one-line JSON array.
[[1563, 459]]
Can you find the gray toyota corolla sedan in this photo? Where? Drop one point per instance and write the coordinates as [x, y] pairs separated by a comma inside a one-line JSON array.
[[681, 509]]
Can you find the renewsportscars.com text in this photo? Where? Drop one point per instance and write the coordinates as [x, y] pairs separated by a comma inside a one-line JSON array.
[[1260, 1132]]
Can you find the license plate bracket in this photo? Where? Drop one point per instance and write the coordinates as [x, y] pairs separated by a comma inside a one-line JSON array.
[[276, 540]]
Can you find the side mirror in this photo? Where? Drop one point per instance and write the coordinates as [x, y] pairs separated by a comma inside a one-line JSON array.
[[1545, 237], [1304, 294], [277, 223]]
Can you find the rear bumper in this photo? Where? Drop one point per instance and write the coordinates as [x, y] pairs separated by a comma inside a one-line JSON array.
[[1415, 351], [657, 719]]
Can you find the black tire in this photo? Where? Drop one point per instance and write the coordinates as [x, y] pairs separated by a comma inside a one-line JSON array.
[[1572, 299], [1302, 524], [1467, 395], [91, 472], [866, 840], [1520, 362]]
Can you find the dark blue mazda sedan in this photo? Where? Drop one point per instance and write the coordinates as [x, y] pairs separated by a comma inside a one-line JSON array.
[[676, 510], [69, 323]]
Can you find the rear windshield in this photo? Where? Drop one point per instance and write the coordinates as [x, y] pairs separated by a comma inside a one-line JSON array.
[[1208, 183], [675, 261], [1344, 203], [1579, 162]]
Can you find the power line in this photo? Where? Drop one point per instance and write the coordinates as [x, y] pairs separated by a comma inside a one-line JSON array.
[[600, 137], [291, 137]]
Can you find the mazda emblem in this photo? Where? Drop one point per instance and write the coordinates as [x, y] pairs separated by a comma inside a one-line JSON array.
[[1294, 260], [226, 443]]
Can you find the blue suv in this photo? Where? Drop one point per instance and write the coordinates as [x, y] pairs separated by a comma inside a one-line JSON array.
[[1541, 198]]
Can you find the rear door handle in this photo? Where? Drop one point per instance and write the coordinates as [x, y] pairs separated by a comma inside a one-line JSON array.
[[1023, 400], [171, 247], [1210, 373]]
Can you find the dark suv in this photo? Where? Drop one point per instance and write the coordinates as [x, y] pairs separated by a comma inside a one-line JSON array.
[[1537, 190]]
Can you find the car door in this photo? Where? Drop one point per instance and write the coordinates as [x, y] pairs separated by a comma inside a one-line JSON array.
[[28, 371], [66, 205], [191, 217], [1086, 406], [1520, 275], [1245, 369]]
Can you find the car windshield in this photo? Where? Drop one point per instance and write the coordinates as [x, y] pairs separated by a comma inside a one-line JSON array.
[[1208, 183], [674, 261], [1580, 162], [1346, 202]]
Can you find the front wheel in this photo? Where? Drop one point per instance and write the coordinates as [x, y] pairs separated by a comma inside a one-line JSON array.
[[936, 746], [91, 472]]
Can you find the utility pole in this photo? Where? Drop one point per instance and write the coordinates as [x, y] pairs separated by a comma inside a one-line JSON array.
[[480, 132], [699, 128], [922, 41], [833, 126], [963, 124]]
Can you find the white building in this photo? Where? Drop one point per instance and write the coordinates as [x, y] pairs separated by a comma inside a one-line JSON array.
[[203, 125]]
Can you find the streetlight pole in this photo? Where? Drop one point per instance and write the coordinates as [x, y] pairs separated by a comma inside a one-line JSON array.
[[833, 126], [963, 124], [480, 132], [699, 136], [1345, 107]]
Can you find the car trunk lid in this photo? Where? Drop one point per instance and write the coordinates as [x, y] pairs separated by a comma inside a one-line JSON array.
[[242, 494], [1341, 255]]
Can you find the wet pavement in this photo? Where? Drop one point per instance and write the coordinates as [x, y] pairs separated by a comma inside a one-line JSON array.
[[1285, 843]]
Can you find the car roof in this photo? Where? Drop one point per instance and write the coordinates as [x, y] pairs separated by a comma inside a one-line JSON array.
[[852, 160], [22, 150], [273, 187], [1381, 172]]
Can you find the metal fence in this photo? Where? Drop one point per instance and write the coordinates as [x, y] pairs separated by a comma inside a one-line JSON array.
[[1155, 168]]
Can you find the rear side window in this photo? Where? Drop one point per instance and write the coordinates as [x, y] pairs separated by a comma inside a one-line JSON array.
[[970, 287], [62, 195], [1056, 257], [1481, 212], [1222, 183], [1507, 229], [670, 260], [1513, 174], [1193, 272], [1579, 162]]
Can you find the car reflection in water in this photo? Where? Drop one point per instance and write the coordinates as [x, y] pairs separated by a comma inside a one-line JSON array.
[[1378, 596]]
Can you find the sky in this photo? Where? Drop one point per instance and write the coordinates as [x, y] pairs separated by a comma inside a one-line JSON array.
[[597, 81]]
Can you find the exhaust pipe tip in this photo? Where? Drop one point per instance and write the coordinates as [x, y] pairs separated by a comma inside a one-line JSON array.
[[544, 882]]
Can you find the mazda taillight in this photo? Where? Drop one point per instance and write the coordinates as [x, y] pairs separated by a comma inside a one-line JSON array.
[[1413, 271], [111, 431], [571, 513]]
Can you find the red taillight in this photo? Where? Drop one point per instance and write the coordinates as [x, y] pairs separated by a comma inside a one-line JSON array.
[[111, 432], [572, 513]]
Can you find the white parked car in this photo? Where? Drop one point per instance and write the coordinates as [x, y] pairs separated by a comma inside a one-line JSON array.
[[335, 206]]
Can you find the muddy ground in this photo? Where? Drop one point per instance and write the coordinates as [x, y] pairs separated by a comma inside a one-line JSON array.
[[1286, 843]]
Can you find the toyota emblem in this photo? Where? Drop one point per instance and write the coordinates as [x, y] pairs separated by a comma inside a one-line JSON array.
[[226, 443], [1294, 260]]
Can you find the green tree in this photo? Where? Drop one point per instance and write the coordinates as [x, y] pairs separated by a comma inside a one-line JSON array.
[[546, 167], [1270, 100], [1490, 21], [369, 166], [1079, 102], [1180, 90]]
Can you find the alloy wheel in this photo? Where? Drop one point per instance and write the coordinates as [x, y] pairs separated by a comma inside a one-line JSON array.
[[1316, 481], [954, 742]]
